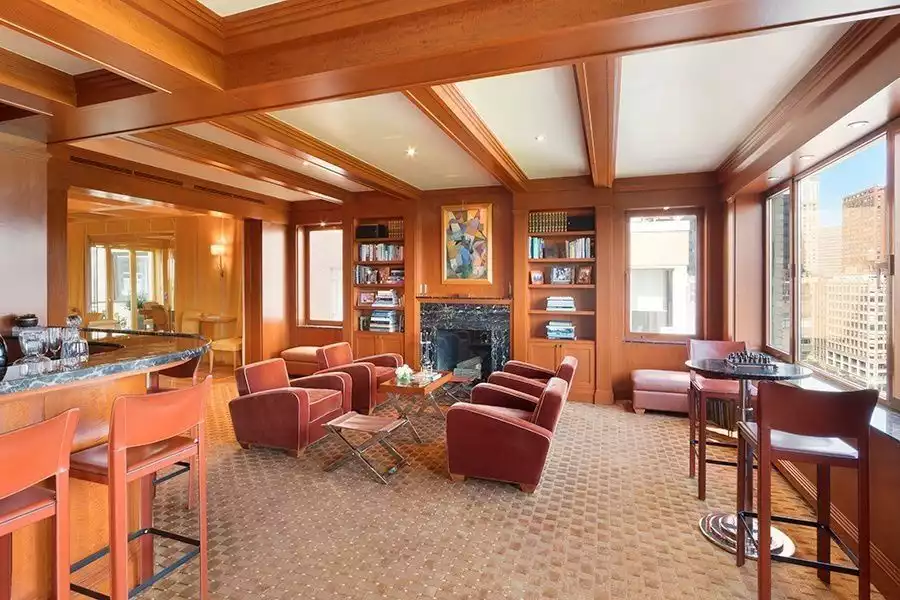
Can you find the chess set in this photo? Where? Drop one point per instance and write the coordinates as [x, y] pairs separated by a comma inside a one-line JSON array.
[[754, 360]]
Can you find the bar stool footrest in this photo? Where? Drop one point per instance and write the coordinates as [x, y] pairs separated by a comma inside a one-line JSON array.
[[804, 562], [185, 467], [164, 572]]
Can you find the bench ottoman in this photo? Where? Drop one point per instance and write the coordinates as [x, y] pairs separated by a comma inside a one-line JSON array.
[[301, 360], [660, 390]]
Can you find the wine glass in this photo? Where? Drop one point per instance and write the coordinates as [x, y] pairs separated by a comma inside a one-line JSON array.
[[54, 341]]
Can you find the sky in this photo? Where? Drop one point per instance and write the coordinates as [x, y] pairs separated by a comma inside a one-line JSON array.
[[859, 171]]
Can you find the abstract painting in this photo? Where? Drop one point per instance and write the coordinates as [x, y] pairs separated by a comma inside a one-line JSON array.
[[467, 243]]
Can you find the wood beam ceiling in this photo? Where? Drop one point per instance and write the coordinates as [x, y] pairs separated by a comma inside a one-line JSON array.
[[193, 148], [449, 42], [448, 109], [862, 62], [598, 97], [34, 78], [120, 37], [278, 135]]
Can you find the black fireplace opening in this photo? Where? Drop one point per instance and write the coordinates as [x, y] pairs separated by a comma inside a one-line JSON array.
[[454, 346]]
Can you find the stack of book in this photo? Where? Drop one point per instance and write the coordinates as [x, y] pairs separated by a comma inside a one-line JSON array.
[[547, 222], [580, 248], [539, 247], [384, 321], [371, 275], [386, 299], [560, 330], [395, 229], [380, 252], [560, 303], [396, 276]]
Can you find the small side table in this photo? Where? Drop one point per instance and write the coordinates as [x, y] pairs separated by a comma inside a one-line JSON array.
[[379, 429]]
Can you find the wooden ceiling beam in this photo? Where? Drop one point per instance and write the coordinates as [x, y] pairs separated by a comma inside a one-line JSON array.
[[278, 135], [862, 62], [119, 37], [461, 40], [199, 150], [448, 109], [36, 79], [598, 97]]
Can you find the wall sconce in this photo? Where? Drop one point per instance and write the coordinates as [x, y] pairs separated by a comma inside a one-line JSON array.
[[218, 250]]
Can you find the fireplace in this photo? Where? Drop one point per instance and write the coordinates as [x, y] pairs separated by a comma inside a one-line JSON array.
[[454, 332]]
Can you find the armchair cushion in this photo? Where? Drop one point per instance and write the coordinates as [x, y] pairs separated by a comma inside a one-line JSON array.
[[489, 394], [383, 360], [334, 355], [383, 374], [519, 383], [340, 382], [324, 402], [524, 369]]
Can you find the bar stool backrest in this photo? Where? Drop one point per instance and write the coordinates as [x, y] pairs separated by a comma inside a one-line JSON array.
[[815, 413], [32, 454], [186, 369], [712, 349], [138, 420]]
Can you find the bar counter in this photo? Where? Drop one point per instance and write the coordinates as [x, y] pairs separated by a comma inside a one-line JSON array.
[[119, 363]]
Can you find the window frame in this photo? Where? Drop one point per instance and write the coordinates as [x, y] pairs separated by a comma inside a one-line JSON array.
[[887, 131], [663, 338], [769, 194], [307, 231]]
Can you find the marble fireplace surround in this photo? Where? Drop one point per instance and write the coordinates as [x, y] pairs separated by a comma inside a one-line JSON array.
[[477, 315]]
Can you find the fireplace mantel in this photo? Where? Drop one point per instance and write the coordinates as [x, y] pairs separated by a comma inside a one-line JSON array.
[[460, 300]]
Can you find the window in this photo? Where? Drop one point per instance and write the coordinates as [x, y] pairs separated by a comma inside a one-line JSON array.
[[779, 297], [662, 273], [324, 257], [113, 295], [843, 264]]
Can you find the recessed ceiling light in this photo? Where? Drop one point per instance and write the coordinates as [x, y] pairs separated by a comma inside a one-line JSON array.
[[540, 137], [665, 208], [411, 151], [806, 157], [322, 224], [857, 124]]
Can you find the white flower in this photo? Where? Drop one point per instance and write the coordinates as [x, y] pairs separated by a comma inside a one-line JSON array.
[[403, 372]]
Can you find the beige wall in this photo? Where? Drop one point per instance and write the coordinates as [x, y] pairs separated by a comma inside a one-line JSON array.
[[197, 282]]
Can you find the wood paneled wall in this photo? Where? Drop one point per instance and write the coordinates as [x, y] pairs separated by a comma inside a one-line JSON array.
[[275, 282], [748, 270], [24, 244]]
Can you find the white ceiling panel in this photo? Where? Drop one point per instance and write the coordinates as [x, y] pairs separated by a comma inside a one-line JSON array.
[[684, 109], [381, 130], [537, 118], [46, 54], [213, 134], [223, 8], [128, 150]]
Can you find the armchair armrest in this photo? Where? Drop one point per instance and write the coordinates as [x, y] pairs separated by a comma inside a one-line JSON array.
[[382, 360], [364, 386], [490, 394], [341, 382], [525, 369], [271, 418], [518, 383]]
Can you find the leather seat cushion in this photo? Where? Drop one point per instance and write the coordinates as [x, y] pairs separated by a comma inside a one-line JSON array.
[[323, 402], [804, 444], [383, 374], [96, 460], [27, 501], [726, 387], [305, 354], [654, 380]]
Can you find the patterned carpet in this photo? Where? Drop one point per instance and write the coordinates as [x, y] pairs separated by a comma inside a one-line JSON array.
[[615, 518]]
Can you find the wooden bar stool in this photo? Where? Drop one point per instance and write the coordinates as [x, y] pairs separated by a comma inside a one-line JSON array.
[[29, 456], [146, 434], [805, 426], [701, 391]]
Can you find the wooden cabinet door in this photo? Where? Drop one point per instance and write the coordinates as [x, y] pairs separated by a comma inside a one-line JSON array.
[[584, 383], [364, 344], [389, 343], [544, 354]]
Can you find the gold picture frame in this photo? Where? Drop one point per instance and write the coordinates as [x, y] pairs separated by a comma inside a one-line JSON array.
[[467, 244]]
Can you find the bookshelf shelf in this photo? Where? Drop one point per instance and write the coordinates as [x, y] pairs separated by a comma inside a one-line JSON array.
[[378, 240], [365, 307], [563, 234], [379, 263], [561, 260], [560, 286], [563, 313], [376, 286]]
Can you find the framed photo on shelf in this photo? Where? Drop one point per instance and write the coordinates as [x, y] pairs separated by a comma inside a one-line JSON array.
[[467, 244], [536, 277], [366, 297], [585, 275], [562, 275]]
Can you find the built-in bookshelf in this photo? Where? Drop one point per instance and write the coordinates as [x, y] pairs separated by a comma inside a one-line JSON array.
[[379, 276], [562, 294]]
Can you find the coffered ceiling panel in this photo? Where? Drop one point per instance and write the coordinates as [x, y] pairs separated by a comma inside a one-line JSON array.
[[223, 8], [216, 135], [46, 54], [684, 109], [387, 131], [536, 116], [128, 150]]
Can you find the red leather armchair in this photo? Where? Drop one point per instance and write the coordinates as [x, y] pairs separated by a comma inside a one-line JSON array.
[[366, 372], [498, 437], [532, 379], [277, 412]]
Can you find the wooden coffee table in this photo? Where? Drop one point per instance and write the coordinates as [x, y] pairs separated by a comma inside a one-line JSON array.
[[415, 397]]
